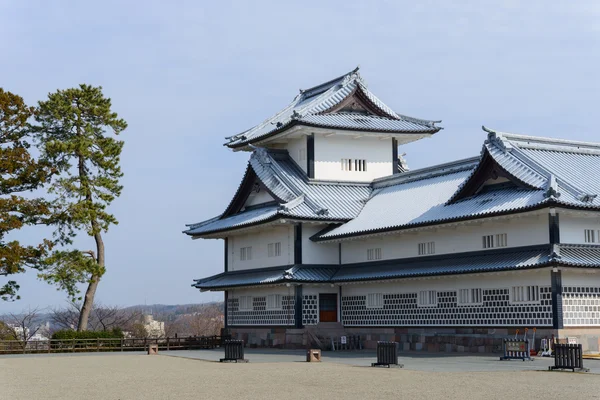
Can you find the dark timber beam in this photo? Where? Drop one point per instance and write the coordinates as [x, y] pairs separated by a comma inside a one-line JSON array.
[[298, 244], [395, 156], [226, 255], [310, 155], [298, 306], [225, 308], [557, 303]]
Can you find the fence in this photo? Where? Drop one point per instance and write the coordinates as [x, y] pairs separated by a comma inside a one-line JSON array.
[[234, 351], [109, 344], [516, 349], [568, 356]]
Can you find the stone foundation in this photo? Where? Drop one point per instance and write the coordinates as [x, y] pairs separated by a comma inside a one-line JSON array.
[[460, 340]]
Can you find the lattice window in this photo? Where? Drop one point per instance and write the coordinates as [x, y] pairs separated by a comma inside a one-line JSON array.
[[259, 314], [245, 253], [310, 309], [525, 294], [581, 306], [501, 240], [274, 249], [426, 248], [402, 309], [469, 297], [498, 240], [374, 254]]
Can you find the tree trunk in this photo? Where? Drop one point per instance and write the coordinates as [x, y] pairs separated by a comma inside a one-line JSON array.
[[88, 300]]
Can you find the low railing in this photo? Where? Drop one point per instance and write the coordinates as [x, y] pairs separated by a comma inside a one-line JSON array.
[[109, 344], [234, 351]]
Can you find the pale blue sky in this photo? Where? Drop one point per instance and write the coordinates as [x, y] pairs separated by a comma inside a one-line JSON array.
[[184, 74]]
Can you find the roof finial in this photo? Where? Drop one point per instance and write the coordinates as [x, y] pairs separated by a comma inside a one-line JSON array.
[[552, 188]]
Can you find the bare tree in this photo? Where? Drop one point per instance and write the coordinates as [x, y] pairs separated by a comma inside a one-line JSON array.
[[207, 321], [22, 327], [66, 318], [104, 318]]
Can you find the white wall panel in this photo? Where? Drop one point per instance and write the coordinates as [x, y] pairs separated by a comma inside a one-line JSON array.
[[316, 253], [259, 240]]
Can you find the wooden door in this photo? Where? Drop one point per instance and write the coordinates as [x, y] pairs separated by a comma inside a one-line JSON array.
[[328, 307]]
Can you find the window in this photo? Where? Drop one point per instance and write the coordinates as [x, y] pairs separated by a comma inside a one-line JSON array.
[[374, 254], [427, 298], [274, 249], [245, 303], [246, 253], [426, 248], [498, 240], [375, 300], [349, 164], [501, 240], [469, 296], [590, 236], [274, 302], [302, 154], [525, 294]]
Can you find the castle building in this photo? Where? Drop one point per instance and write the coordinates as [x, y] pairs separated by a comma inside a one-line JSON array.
[[330, 231]]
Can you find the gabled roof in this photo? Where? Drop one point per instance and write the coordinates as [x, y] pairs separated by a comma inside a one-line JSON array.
[[546, 172], [506, 259], [342, 103], [298, 197]]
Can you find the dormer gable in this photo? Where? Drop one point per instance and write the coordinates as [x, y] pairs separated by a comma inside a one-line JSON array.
[[488, 175]]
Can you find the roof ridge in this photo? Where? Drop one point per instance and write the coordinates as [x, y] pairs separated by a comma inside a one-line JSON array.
[[540, 140], [329, 83], [427, 172]]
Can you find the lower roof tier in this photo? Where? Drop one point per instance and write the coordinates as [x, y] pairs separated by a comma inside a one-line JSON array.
[[519, 258]]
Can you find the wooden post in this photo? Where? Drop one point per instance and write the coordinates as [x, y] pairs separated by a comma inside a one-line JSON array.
[[121, 344], [49, 344], [73, 346], [167, 344], [97, 344]]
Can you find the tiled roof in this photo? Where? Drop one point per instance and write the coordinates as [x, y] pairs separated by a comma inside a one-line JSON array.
[[299, 198], [517, 258], [306, 107], [488, 261], [556, 172], [286, 274]]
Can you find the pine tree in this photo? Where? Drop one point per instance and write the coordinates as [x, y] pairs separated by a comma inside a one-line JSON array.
[[73, 130], [19, 173]]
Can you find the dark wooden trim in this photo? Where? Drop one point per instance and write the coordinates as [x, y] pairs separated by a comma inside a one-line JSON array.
[[487, 169], [554, 228], [340, 253], [226, 254], [340, 304], [298, 244], [225, 305], [557, 304], [298, 306], [395, 156], [310, 155]]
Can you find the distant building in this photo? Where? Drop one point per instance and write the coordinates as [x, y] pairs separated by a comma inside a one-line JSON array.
[[330, 232], [154, 329]]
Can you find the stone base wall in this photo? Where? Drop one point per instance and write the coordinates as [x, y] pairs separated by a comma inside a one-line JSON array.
[[285, 338], [589, 338]]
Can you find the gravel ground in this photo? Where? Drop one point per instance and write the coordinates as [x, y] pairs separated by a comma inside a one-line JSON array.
[[130, 377]]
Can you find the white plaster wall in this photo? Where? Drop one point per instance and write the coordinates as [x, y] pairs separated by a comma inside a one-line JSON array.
[[580, 277], [505, 280], [261, 291], [330, 150], [316, 253], [572, 227], [258, 198], [520, 232], [259, 241], [293, 147], [317, 289]]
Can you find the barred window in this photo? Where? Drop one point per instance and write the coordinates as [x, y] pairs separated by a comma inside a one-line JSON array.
[[350, 164], [426, 248], [374, 254], [427, 298], [375, 300], [245, 302], [498, 240], [470, 296], [590, 236], [246, 253], [274, 302], [274, 249], [525, 294]]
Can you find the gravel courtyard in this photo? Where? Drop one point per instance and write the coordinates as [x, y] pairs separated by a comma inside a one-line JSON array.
[[135, 376]]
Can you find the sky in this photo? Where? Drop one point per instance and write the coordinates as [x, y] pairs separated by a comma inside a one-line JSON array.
[[185, 74]]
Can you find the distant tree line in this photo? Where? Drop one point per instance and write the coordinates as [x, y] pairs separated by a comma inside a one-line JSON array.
[[59, 168]]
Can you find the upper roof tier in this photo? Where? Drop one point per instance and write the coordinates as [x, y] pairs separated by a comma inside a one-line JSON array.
[[343, 103]]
